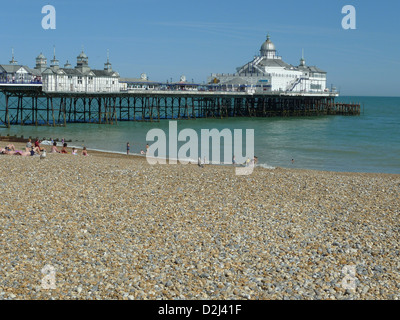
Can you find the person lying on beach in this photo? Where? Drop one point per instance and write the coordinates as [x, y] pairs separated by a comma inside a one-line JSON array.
[[23, 153], [7, 151], [84, 152], [34, 150], [54, 148], [10, 147], [64, 148]]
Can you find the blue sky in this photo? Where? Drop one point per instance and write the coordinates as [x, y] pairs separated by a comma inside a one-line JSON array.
[[166, 39]]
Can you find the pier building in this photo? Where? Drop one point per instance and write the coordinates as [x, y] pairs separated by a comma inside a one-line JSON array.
[[79, 79], [264, 87], [267, 72], [16, 73], [135, 84]]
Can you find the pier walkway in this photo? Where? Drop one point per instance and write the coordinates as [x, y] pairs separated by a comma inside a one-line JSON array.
[[27, 104]]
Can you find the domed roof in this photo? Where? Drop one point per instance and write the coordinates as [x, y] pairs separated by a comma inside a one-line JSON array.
[[267, 46], [41, 56], [82, 55]]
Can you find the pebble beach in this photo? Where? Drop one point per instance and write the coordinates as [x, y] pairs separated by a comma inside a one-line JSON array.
[[112, 226]]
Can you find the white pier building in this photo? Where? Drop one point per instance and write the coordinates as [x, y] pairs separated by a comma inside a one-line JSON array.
[[269, 73], [79, 79]]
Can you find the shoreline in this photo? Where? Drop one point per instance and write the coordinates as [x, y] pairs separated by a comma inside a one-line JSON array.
[[116, 154]]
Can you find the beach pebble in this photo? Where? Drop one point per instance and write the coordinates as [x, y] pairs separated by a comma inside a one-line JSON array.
[[114, 227]]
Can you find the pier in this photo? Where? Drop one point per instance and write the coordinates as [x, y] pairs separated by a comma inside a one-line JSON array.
[[29, 105]]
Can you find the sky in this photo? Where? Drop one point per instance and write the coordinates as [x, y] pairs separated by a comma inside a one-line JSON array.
[[167, 39]]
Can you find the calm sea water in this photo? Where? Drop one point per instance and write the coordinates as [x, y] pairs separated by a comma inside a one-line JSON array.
[[366, 143]]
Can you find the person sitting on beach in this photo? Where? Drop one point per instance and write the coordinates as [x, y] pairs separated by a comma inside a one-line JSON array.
[[253, 161], [74, 151], [37, 145], [54, 148], [84, 151], [28, 145], [64, 148]]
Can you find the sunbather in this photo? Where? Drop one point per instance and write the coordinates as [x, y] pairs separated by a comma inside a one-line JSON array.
[[54, 148]]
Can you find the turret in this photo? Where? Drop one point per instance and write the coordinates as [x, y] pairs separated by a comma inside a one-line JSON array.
[[41, 62], [82, 62], [107, 65], [12, 61], [54, 63]]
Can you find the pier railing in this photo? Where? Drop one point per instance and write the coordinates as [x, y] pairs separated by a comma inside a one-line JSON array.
[[2, 81]]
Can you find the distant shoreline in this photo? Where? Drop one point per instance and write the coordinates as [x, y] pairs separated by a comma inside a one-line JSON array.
[[122, 155]]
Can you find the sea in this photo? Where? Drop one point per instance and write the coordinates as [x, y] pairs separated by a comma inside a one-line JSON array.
[[366, 143]]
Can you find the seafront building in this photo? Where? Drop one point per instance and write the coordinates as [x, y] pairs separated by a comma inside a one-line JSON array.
[[269, 73], [79, 79], [264, 87], [16, 73], [265, 74], [136, 84]]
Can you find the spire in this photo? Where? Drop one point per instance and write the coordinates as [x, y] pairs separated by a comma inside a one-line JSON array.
[[107, 65], [54, 63], [302, 61], [12, 61]]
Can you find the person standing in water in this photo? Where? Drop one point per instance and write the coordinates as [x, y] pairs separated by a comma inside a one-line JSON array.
[[127, 148]]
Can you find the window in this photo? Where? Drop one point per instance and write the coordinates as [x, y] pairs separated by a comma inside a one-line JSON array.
[[79, 80]]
